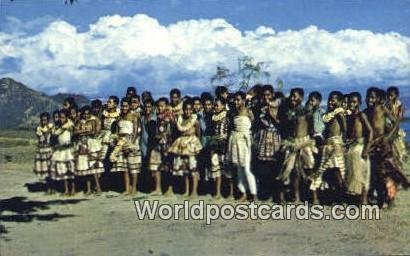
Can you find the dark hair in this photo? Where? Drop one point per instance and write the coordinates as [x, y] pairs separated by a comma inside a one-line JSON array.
[[114, 98], [315, 94], [206, 96], [196, 98], [46, 115], [64, 112], [279, 95], [381, 94], [219, 90], [131, 89], [85, 108], [136, 96], [240, 94], [127, 100], [146, 95], [175, 91], [55, 112], [298, 90], [187, 102], [71, 101], [393, 89], [337, 94], [357, 95], [96, 102], [371, 89], [258, 89], [149, 100], [163, 99], [267, 87], [222, 100]]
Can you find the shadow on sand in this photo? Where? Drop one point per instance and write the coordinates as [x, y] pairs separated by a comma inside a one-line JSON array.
[[19, 209]]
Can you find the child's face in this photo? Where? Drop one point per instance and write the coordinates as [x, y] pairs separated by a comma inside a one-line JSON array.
[[188, 110], [85, 115], [175, 99], [111, 104], [125, 107], [63, 118], [56, 117], [218, 106], [44, 121], [208, 106], [238, 102], [267, 96], [354, 103], [313, 102], [73, 113], [161, 107], [135, 103], [148, 108], [197, 106], [333, 103], [66, 105], [371, 99], [295, 98], [392, 96]]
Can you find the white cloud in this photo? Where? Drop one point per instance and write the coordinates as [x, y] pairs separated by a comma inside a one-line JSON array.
[[116, 51]]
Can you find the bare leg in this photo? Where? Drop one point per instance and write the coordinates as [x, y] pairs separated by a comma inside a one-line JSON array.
[[194, 186], [157, 178], [126, 183], [72, 187], [97, 183], [88, 192], [218, 181], [296, 188], [186, 179], [315, 197], [230, 196], [66, 188], [134, 181], [169, 179], [364, 196]]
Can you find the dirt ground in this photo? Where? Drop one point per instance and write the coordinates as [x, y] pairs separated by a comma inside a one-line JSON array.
[[37, 224]]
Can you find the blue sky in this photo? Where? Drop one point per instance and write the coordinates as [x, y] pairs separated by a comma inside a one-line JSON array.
[[100, 47]]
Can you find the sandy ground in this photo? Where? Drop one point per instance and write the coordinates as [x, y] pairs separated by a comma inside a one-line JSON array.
[[36, 224]]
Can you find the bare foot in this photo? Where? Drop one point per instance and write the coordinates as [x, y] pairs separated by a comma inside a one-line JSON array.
[[156, 192], [193, 196], [169, 193], [242, 198], [217, 196]]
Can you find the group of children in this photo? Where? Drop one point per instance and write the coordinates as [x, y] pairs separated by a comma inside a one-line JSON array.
[[262, 142]]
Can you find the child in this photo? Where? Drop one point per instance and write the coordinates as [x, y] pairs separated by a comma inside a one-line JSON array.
[[186, 147], [396, 108], [159, 160], [239, 147], [126, 155], [44, 150], [88, 148], [62, 160], [313, 104], [175, 102], [109, 116], [332, 153], [218, 146]]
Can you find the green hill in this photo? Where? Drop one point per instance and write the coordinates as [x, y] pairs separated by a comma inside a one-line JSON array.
[[20, 105]]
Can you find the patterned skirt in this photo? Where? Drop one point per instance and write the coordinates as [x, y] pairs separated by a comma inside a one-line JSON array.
[[332, 157], [185, 165], [128, 156], [268, 144], [357, 170], [42, 162], [87, 159], [62, 165]]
